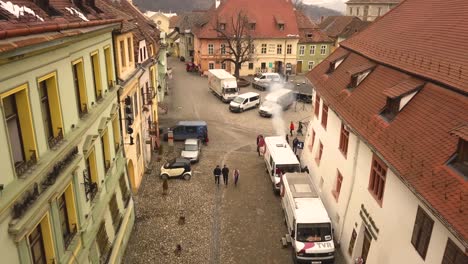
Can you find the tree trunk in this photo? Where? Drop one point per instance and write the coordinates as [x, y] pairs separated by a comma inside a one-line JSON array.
[[236, 70]]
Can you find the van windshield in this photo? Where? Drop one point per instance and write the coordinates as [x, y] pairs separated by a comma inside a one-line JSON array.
[[313, 232], [230, 90], [238, 100]]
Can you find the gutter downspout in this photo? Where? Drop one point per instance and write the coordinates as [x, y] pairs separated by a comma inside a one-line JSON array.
[[356, 150]]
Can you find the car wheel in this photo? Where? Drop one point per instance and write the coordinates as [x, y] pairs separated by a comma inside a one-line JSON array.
[[187, 176], [164, 176], [241, 109]]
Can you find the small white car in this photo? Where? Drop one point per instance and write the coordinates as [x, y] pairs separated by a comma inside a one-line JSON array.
[[176, 168], [192, 149]]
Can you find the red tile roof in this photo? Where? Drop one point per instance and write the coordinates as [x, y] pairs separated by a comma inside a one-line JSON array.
[[266, 14], [342, 26], [425, 37], [173, 21], [373, 1], [304, 21], [307, 28], [405, 87], [461, 131], [417, 143]]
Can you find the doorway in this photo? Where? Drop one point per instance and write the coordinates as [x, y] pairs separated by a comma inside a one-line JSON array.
[[366, 245], [299, 67]]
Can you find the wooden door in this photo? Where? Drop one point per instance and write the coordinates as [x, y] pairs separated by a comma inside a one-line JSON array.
[[366, 245], [299, 67]]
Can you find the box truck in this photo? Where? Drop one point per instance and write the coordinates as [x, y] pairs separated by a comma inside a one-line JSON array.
[[279, 159], [309, 227], [222, 84], [276, 101]]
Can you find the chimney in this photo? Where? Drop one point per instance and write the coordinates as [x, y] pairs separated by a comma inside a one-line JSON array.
[[217, 3]]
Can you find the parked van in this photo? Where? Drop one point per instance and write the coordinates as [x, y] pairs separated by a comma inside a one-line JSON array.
[[310, 230], [245, 101], [188, 129], [276, 100], [279, 158], [264, 79]]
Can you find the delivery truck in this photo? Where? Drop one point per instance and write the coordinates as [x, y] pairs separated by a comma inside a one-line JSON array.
[[222, 84], [310, 230], [279, 159]]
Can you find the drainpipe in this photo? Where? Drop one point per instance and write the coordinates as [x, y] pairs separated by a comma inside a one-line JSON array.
[[353, 178]]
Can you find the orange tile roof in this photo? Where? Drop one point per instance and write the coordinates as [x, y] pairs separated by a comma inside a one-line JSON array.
[[404, 87], [425, 37], [417, 143], [265, 13]]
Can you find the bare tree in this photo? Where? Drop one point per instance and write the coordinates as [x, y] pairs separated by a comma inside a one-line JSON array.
[[298, 4], [238, 39]]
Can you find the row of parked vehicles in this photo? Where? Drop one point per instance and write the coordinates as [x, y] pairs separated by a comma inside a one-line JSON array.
[[310, 230]]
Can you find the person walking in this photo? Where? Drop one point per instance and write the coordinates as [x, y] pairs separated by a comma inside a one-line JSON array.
[[225, 172], [291, 128], [299, 129], [217, 173], [295, 142], [236, 176], [287, 138]]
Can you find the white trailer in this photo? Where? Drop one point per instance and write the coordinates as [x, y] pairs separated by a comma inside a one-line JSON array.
[[223, 84], [279, 158], [309, 227]]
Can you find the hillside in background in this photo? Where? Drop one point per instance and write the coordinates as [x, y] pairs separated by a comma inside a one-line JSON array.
[[177, 6]]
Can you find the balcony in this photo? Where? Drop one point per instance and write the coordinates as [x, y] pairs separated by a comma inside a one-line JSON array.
[[24, 166], [68, 238], [90, 187], [53, 142]]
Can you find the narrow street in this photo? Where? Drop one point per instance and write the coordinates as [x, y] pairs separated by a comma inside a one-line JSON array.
[[223, 224]]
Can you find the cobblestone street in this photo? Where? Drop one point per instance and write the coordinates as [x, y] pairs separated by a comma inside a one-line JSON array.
[[223, 224]]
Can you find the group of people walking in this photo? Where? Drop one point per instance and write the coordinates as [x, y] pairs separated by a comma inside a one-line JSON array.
[[217, 172]]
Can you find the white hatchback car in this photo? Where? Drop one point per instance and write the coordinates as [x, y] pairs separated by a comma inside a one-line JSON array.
[[192, 149]]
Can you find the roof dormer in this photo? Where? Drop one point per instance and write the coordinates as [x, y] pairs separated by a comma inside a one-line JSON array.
[[252, 25], [279, 23], [45, 5], [460, 160], [335, 63], [399, 95], [358, 74]]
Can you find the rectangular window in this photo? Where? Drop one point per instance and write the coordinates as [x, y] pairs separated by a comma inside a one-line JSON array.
[[103, 243], [391, 108], [339, 181], [312, 50], [311, 65], [115, 213], [453, 254], [123, 59], [106, 150], [323, 50], [130, 50], [281, 27], [97, 81], [301, 50], [324, 116], [41, 244], [80, 87], [264, 49], [317, 105], [67, 215], [109, 68], [344, 140], [91, 173], [51, 110], [422, 232], [319, 154], [279, 49], [223, 49], [377, 179], [251, 65], [312, 139], [289, 49], [252, 26], [46, 116], [210, 49], [223, 65], [222, 26], [211, 65]]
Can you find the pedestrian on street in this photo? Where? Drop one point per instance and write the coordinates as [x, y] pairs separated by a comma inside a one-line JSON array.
[[217, 173], [236, 176], [259, 139], [295, 142], [291, 128], [287, 138], [225, 172], [299, 129]]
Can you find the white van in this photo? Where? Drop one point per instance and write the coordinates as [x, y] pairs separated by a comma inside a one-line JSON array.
[[275, 101], [264, 79], [309, 227], [279, 158], [245, 101]]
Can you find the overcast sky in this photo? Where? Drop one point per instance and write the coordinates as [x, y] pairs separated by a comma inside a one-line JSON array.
[[333, 4]]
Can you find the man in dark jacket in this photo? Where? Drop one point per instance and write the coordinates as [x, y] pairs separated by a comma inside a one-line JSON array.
[[217, 173], [295, 143], [225, 174]]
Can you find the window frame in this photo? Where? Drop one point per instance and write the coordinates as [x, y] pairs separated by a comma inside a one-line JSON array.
[[264, 48], [323, 50], [222, 49], [289, 49], [317, 105], [279, 49], [211, 65], [96, 74], [79, 80], [210, 49], [310, 65], [302, 50], [457, 253], [324, 121], [377, 179], [344, 140], [422, 232], [312, 49]]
